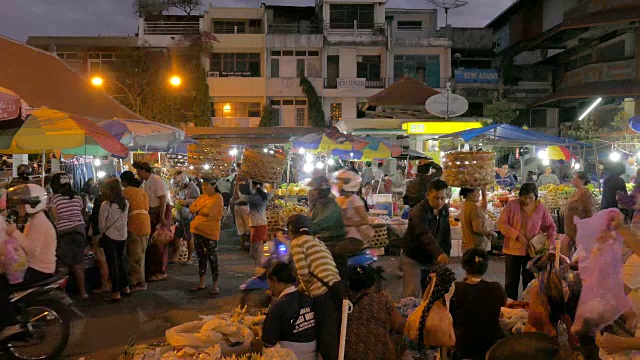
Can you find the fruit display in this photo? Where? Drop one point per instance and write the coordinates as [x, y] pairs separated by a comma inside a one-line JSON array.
[[555, 196], [278, 211], [469, 168], [291, 190]]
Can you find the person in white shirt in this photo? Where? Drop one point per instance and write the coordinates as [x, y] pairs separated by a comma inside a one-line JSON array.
[[156, 190], [38, 242], [112, 223]]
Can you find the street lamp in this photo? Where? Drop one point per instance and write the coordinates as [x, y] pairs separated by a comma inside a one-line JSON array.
[[97, 81], [175, 80]]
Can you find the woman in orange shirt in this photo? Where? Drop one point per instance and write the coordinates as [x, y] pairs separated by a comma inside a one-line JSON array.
[[205, 227], [138, 227]]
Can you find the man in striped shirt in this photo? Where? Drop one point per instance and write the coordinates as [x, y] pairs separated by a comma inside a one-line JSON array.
[[317, 272]]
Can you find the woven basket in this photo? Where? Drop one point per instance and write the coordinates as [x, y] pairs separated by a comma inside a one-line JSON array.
[[217, 158], [380, 237], [469, 168], [264, 167]]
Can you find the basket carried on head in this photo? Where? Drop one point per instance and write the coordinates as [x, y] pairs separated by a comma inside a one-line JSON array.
[[469, 168], [261, 166]]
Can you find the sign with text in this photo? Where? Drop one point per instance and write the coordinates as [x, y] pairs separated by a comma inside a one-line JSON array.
[[439, 127], [477, 76], [351, 84]]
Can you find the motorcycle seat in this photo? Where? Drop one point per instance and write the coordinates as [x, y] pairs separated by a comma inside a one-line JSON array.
[[20, 287]]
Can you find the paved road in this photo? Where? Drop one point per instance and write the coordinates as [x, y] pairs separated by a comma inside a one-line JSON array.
[[144, 317]]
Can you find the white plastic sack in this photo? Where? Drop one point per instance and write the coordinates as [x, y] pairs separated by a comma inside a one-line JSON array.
[[188, 335], [278, 353]]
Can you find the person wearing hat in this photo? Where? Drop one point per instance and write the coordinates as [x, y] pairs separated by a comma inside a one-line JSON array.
[[326, 217], [205, 227], [319, 279]]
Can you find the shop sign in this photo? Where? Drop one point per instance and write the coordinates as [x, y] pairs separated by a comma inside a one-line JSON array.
[[9, 109], [351, 84], [439, 127], [477, 76]]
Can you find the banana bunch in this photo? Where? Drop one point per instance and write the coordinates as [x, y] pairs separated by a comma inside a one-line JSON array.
[[291, 190], [561, 190]]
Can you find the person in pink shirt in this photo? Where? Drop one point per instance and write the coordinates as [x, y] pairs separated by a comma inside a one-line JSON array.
[[521, 220]]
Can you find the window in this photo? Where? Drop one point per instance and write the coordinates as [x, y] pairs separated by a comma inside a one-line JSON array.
[[343, 16], [409, 25], [425, 68], [300, 67], [276, 53], [301, 102], [228, 27], [613, 52], [313, 53], [100, 63], [275, 68], [236, 110], [275, 102], [253, 110], [301, 117], [287, 53], [335, 112], [287, 102], [67, 55], [301, 53], [369, 67], [235, 64], [255, 23]]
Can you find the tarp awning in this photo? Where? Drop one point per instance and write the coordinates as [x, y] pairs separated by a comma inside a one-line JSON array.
[[511, 135], [405, 92], [41, 79], [615, 88]]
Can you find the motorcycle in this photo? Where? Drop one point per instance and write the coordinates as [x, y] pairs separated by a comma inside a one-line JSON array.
[[45, 312], [255, 291]]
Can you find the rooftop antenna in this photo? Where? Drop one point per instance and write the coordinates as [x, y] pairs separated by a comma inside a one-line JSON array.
[[448, 4]]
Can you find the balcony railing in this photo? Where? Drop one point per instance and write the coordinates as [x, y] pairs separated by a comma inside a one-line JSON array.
[[171, 28], [219, 29], [376, 28], [332, 83], [297, 28]]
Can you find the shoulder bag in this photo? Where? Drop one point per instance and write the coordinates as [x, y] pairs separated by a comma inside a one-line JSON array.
[[338, 291], [103, 236]]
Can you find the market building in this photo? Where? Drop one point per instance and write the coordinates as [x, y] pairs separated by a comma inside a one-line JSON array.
[[593, 47]]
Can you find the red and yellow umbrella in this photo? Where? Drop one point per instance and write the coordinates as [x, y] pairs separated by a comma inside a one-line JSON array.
[[559, 153]]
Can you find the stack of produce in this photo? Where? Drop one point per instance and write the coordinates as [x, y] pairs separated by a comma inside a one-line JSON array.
[[555, 196], [469, 168], [210, 161], [291, 190], [263, 166], [279, 211]]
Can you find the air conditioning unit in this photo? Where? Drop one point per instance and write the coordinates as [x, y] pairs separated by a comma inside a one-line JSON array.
[[213, 74]]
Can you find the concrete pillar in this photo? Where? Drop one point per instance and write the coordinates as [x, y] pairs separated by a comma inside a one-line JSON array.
[[19, 159], [552, 118], [630, 44]]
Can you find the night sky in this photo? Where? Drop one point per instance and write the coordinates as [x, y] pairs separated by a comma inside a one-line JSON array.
[[21, 18]]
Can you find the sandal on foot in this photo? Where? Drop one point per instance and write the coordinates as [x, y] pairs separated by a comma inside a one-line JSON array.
[[214, 292], [197, 288]]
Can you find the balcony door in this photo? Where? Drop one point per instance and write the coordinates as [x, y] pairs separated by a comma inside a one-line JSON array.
[[333, 70]]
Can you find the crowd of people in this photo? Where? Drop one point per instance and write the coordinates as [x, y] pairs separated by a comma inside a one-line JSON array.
[[128, 233]]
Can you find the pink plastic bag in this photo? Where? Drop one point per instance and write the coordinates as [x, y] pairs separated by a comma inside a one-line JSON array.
[[13, 260], [602, 299]]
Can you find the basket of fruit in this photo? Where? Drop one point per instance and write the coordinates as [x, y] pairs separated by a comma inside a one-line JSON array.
[[469, 168], [263, 166], [380, 237]]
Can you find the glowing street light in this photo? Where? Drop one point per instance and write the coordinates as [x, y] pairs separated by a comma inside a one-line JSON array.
[[97, 81], [175, 80]]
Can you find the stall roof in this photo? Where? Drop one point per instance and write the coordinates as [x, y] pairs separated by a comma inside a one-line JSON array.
[[512, 135], [247, 136], [41, 79], [405, 92]]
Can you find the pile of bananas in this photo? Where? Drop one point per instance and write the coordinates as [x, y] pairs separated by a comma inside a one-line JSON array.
[[291, 190], [561, 190]]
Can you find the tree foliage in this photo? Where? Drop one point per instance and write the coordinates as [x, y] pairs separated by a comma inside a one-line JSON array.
[[500, 111], [156, 8], [316, 114], [266, 119], [586, 130]]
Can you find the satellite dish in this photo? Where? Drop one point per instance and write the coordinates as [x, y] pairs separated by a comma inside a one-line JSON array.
[[446, 104]]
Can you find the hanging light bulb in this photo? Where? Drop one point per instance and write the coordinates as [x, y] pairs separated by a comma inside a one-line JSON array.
[[233, 152], [190, 167], [265, 150], [543, 154], [331, 162], [615, 156], [319, 165], [308, 158], [206, 166], [308, 167], [101, 174], [545, 161], [576, 166], [97, 162], [301, 151]]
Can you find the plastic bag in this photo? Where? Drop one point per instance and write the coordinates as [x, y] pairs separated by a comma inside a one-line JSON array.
[[438, 329], [13, 260], [162, 236], [602, 299], [278, 353]]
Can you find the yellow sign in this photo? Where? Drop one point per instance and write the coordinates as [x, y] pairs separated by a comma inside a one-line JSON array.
[[439, 127]]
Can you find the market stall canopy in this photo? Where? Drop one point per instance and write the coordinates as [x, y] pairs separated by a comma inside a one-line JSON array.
[[329, 140], [11, 105], [46, 129], [634, 123], [405, 92], [247, 136], [144, 135], [559, 153], [511, 135], [42, 79], [411, 154]]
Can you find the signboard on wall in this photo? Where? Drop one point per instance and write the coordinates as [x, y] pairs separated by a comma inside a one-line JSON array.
[[439, 127], [477, 76], [351, 84]]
